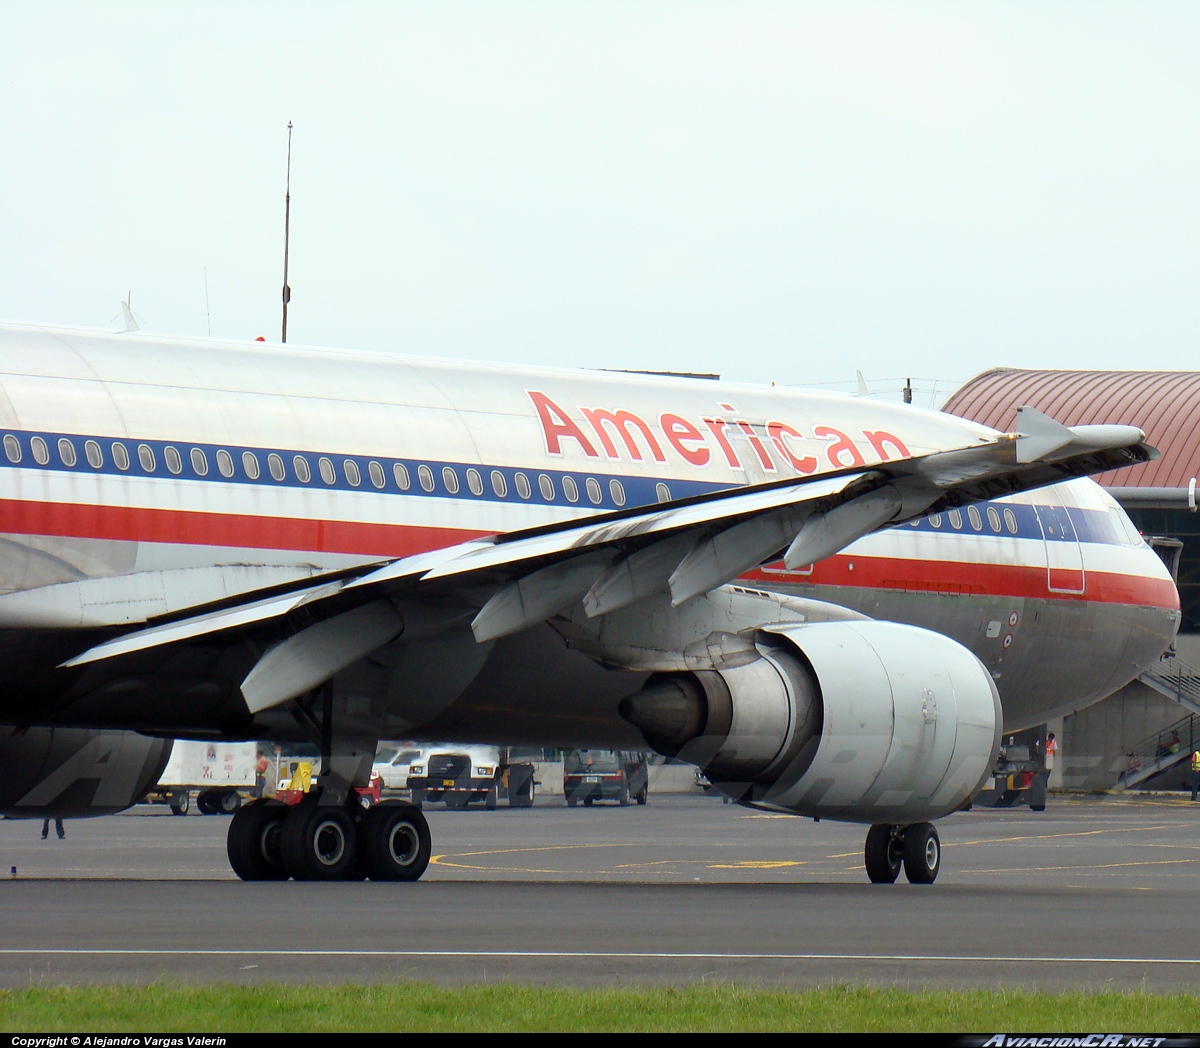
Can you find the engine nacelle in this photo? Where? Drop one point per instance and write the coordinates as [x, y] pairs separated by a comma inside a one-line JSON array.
[[74, 773], [865, 721]]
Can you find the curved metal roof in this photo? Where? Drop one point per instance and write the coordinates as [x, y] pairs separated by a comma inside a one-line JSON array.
[[1166, 404]]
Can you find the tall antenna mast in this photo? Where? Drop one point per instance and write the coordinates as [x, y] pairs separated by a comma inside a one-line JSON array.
[[287, 225]]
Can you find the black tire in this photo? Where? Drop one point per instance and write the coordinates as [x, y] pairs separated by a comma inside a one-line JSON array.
[[180, 803], [883, 854], [623, 796], [229, 801], [396, 842], [587, 801], [922, 853], [208, 802], [642, 795], [254, 839], [492, 798], [520, 786], [320, 842]]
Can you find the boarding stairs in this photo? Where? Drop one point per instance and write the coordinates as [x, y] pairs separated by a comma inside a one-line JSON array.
[[1162, 750], [1176, 679]]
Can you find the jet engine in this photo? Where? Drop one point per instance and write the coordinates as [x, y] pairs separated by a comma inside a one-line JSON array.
[[73, 773], [863, 721]]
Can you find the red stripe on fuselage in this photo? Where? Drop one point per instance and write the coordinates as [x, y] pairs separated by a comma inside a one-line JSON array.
[[957, 577], [127, 524]]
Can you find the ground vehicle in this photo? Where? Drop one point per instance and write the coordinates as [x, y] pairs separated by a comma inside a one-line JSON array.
[[460, 774], [605, 775], [392, 762], [221, 772]]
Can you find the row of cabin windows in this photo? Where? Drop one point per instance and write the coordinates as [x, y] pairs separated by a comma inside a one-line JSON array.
[[975, 518], [276, 467]]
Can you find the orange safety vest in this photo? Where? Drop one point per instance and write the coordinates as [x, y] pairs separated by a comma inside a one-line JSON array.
[[1052, 747], [1196, 761]]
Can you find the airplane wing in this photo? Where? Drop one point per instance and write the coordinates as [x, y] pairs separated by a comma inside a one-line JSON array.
[[507, 583]]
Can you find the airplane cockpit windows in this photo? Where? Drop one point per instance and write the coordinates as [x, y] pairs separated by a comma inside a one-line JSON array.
[[377, 475], [499, 484], [523, 488], [275, 466], [546, 486], [173, 460], [120, 455], [425, 476], [66, 452], [326, 468], [350, 469], [12, 448], [145, 457], [41, 453], [199, 463], [250, 464], [225, 463], [401, 474], [617, 490], [474, 482], [593, 491], [301, 469], [450, 479], [570, 489]]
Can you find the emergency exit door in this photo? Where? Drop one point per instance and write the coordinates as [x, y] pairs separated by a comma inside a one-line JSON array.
[[1064, 558]]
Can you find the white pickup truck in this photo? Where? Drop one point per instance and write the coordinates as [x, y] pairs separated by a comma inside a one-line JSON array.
[[219, 773]]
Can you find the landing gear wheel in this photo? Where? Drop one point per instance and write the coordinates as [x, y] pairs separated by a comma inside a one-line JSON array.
[[253, 841], [641, 795], [884, 854], [922, 853], [623, 796], [319, 842], [229, 802], [180, 803], [493, 795], [396, 842]]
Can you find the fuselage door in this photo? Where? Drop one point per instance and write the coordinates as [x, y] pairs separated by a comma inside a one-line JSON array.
[[1064, 558]]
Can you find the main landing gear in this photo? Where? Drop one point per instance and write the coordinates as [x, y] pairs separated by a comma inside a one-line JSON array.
[[917, 848], [310, 841]]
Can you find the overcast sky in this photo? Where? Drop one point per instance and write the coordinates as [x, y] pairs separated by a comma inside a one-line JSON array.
[[773, 191]]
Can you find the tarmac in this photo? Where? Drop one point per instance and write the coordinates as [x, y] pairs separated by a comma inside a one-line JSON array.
[[1095, 892]]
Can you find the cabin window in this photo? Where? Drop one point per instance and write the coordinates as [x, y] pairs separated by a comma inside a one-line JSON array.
[[993, 519], [225, 463], [617, 490], [425, 476], [146, 457], [301, 468], [523, 488], [955, 520], [974, 517], [1010, 521], [593, 490], [400, 472], [570, 489], [474, 482], [199, 463], [172, 459], [250, 465], [377, 475], [662, 492], [66, 452], [450, 479], [326, 468], [935, 520], [275, 465], [546, 487], [41, 453], [499, 484], [120, 455], [12, 448], [350, 468]]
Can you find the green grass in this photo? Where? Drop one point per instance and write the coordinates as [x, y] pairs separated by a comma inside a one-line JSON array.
[[418, 1006]]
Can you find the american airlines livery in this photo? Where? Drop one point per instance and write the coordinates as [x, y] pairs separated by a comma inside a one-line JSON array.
[[832, 605]]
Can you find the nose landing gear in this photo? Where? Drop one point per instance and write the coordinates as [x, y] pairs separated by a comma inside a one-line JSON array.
[[917, 848]]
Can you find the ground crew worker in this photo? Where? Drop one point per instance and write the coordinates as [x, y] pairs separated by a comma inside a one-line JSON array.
[[58, 826], [1051, 753], [1195, 773]]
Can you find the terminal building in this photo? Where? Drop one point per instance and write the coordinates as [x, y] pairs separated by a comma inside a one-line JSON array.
[[1141, 737]]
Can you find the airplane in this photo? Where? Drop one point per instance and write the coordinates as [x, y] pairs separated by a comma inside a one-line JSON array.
[[833, 606]]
